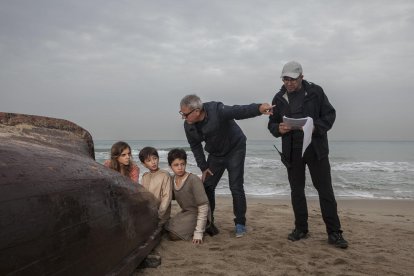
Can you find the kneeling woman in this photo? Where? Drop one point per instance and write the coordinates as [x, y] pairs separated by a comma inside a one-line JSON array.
[[189, 193], [121, 161]]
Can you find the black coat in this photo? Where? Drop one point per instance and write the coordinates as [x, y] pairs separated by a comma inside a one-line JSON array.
[[317, 106], [218, 130]]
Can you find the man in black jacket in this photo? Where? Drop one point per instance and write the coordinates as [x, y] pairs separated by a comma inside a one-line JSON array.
[[298, 99], [213, 123]]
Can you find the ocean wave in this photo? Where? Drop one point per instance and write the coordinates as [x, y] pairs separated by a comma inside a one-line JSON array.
[[167, 149], [310, 193], [262, 163], [102, 150], [275, 164], [366, 166], [136, 151], [374, 166]]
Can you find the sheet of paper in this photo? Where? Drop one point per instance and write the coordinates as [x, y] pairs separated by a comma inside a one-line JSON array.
[[307, 134], [294, 123], [306, 124]]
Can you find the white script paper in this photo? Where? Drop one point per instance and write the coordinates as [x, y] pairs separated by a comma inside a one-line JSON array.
[[295, 123], [306, 124]]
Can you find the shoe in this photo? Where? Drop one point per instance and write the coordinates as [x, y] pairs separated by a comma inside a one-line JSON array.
[[336, 239], [151, 261], [212, 230], [240, 230], [298, 235]]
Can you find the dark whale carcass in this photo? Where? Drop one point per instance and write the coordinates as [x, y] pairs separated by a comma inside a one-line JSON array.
[[61, 212]]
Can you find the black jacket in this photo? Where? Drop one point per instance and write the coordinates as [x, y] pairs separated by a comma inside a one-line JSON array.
[[316, 105], [218, 130]]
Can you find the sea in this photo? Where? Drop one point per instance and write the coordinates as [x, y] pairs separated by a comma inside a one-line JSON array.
[[360, 169]]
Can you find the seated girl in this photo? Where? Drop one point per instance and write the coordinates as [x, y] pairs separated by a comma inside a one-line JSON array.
[[190, 223], [121, 161]]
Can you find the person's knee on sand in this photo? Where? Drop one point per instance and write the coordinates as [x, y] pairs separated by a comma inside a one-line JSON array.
[[173, 237]]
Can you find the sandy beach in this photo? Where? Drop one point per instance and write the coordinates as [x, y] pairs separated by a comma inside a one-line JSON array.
[[380, 235]]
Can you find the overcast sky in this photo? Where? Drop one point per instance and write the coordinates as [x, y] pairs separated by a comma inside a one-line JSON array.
[[120, 68]]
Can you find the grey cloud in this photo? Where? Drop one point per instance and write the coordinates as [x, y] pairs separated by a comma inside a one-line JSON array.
[[121, 67]]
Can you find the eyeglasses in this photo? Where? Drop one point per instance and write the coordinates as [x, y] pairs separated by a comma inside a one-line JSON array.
[[287, 79], [185, 115]]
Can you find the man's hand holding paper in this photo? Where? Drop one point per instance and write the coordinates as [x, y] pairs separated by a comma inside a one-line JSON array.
[[306, 124], [294, 123]]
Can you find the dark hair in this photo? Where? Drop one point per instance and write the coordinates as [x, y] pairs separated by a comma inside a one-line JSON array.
[[176, 154], [147, 152], [116, 151]]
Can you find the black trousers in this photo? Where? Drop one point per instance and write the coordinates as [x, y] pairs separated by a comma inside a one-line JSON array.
[[234, 163], [320, 171]]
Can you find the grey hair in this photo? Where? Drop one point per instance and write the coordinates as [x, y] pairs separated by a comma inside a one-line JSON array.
[[192, 101]]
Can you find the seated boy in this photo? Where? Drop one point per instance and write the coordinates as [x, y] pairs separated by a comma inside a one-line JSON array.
[[190, 223], [157, 181]]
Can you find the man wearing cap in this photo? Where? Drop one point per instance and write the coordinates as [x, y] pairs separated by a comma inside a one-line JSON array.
[[299, 98]]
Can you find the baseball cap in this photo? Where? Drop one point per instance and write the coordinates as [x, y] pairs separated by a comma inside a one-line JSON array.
[[292, 69]]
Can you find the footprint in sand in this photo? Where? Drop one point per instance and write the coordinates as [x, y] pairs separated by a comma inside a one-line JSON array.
[[215, 249], [380, 259], [340, 261]]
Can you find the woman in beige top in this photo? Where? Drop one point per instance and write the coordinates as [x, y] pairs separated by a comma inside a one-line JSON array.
[[190, 223]]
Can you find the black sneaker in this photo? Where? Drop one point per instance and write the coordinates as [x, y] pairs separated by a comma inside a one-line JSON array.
[[151, 261], [211, 229], [297, 235], [336, 239]]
